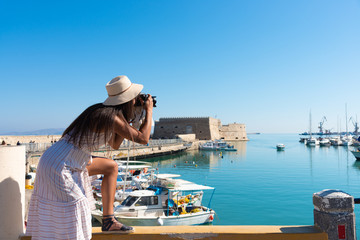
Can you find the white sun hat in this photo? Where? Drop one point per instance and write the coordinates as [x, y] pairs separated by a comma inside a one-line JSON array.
[[121, 90]]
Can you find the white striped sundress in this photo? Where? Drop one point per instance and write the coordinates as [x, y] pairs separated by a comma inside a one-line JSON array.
[[61, 204]]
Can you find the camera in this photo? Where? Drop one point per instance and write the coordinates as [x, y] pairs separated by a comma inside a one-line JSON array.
[[144, 97]]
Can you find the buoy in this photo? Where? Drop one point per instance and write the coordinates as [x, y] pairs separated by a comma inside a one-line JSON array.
[[211, 217], [175, 165], [195, 165], [193, 162]]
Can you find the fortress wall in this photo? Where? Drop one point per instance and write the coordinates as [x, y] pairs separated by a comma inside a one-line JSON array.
[[205, 128], [170, 127], [234, 132], [214, 125]]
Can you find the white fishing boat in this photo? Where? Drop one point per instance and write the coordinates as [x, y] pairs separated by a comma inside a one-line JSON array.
[[280, 147], [170, 202], [217, 145]]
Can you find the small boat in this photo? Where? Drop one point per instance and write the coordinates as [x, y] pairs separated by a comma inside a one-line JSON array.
[[312, 142], [169, 202], [347, 140], [336, 141], [280, 147], [217, 145], [325, 142], [356, 154]]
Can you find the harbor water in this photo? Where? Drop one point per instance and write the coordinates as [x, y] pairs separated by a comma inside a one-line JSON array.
[[258, 185]]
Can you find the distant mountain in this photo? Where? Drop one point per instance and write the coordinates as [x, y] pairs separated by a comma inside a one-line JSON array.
[[50, 131]]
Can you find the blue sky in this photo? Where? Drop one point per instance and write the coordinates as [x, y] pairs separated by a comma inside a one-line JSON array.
[[259, 62]]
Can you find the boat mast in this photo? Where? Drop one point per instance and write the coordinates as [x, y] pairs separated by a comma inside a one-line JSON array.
[[346, 119], [310, 123], [126, 170]]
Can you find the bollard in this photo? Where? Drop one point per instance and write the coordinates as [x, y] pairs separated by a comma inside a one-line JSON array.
[[334, 214], [12, 191]]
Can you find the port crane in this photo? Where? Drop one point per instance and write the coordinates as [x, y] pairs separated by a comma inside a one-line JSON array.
[[356, 125], [321, 130]]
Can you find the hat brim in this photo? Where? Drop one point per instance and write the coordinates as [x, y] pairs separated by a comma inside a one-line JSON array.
[[124, 97]]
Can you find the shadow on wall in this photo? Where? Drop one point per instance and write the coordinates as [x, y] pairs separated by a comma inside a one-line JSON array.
[[11, 221]]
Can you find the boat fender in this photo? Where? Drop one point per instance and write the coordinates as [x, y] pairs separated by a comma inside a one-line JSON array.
[[160, 221], [211, 217]]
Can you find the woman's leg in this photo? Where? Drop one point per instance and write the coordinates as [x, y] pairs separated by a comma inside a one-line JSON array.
[[109, 169]]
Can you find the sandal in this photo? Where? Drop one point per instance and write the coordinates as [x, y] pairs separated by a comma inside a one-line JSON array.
[[111, 225]]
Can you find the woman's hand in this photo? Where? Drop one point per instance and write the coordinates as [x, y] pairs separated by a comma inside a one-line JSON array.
[[149, 104]]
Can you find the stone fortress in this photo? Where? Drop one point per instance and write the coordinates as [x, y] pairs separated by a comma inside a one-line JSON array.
[[204, 128]]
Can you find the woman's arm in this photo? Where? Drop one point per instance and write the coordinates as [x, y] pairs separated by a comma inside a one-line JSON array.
[[115, 140], [122, 128]]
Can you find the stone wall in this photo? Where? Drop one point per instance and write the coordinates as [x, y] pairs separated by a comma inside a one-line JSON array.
[[233, 132], [187, 137], [168, 128]]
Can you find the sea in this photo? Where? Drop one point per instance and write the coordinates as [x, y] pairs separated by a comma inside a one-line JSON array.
[[258, 185]]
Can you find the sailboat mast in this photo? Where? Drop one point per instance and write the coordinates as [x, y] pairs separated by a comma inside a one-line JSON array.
[[310, 123], [346, 118]]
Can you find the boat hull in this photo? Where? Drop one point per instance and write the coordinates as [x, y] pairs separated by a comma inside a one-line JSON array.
[[356, 154], [181, 220]]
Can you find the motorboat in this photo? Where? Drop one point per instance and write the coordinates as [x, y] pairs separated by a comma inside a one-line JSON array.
[[280, 147], [325, 142], [217, 145], [347, 140], [169, 202], [312, 142], [336, 141]]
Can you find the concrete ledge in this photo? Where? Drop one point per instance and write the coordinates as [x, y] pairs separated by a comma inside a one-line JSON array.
[[214, 232]]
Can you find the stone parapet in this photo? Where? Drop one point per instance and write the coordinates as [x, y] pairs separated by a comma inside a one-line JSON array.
[[215, 233], [334, 214]]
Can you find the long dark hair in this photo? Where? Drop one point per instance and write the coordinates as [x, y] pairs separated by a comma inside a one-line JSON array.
[[96, 120]]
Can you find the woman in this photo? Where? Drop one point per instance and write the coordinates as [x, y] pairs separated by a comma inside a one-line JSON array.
[[62, 201]]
